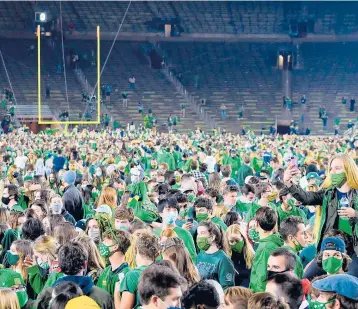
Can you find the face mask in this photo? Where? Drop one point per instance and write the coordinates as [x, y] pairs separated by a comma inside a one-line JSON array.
[[338, 180], [98, 174], [238, 246], [84, 187], [5, 200], [177, 179], [332, 265], [272, 196], [43, 264], [170, 218], [94, 195], [105, 251], [318, 305], [291, 202], [298, 246], [52, 181], [56, 208], [12, 258], [271, 273], [254, 235], [183, 213], [94, 234], [201, 217], [203, 243], [122, 227]]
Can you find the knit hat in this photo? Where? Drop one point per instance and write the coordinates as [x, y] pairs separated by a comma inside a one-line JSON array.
[[82, 302], [10, 278], [69, 177]]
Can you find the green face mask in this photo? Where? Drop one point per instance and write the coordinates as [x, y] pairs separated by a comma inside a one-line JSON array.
[[337, 180], [203, 243], [332, 265], [12, 258], [298, 246], [183, 213], [254, 235], [291, 202], [318, 305], [238, 246], [201, 217], [105, 251]]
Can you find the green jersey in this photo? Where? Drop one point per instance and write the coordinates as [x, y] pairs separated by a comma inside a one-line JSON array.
[[217, 266], [130, 283], [108, 279]]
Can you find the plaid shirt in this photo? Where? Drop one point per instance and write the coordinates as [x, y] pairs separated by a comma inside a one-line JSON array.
[[199, 175]]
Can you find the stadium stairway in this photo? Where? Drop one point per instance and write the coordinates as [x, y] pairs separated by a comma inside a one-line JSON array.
[[22, 68], [152, 88]]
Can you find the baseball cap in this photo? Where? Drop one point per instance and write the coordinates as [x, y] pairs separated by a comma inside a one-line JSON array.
[[333, 243], [12, 279], [312, 175], [342, 284]]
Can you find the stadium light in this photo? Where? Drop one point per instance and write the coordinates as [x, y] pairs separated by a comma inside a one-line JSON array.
[[43, 17], [40, 17]]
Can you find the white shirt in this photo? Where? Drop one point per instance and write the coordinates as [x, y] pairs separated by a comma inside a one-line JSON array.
[[20, 161], [210, 161]]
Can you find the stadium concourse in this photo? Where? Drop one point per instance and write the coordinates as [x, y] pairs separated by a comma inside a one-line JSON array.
[[222, 173]]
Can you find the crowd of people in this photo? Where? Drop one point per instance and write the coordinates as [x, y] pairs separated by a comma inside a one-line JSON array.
[[206, 220]]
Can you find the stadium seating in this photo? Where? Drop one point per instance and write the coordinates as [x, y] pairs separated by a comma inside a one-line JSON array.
[[21, 65], [196, 17], [152, 89]]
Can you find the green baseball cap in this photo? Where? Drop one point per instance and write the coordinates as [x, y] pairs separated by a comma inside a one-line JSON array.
[[12, 279]]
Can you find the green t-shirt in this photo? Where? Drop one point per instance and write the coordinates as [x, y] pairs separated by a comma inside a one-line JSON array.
[[254, 208], [217, 266], [130, 283], [294, 211], [186, 237], [108, 279]]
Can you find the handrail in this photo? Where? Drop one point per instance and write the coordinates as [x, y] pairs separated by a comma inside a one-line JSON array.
[[190, 99]]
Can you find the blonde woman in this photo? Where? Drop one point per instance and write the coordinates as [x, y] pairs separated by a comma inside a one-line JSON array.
[[242, 254], [42, 263], [338, 197], [8, 299]]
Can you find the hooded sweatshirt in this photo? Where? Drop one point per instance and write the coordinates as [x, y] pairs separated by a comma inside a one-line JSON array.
[[259, 267], [100, 296]]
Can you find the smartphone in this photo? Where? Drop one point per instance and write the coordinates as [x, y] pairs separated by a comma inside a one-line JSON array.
[[294, 162], [190, 220]]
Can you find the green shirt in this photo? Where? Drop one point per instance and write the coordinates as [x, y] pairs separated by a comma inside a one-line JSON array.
[[293, 211], [254, 208], [130, 283], [186, 237], [299, 267], [108, 279], [217, 266], [258, 275]]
